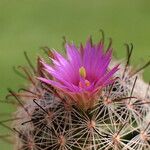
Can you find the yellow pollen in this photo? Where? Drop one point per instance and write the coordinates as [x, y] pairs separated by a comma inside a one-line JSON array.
[[82, 72], [87, 83]]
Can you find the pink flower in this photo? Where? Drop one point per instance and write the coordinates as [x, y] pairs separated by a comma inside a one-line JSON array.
[[83, 74]]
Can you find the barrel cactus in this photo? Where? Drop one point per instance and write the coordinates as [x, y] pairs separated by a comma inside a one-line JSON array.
[[85, 100]]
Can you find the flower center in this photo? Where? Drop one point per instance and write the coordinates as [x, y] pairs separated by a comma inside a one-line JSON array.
[[83, 81]]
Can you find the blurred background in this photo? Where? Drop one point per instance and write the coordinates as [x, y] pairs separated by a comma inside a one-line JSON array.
[[27, 25]]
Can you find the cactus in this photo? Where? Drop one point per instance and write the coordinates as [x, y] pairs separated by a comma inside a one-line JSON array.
[[105, 113]]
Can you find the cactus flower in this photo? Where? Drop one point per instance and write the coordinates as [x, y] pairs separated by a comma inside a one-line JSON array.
[[82, 74]]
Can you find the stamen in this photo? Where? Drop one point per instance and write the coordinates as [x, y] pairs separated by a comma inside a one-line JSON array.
[[85, 83]]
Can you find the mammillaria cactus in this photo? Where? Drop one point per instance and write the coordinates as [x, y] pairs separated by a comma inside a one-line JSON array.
[[84, 101]]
